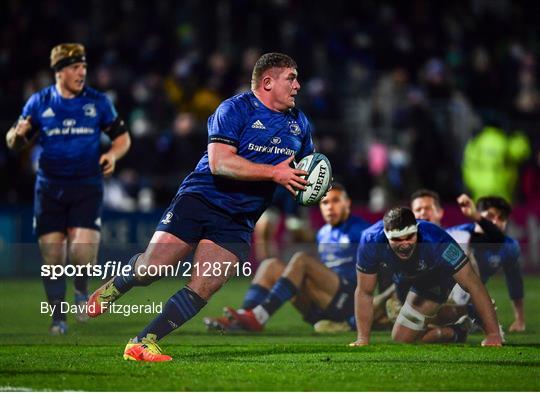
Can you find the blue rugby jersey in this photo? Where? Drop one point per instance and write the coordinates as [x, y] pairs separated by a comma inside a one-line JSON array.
[[261, 136], [337, 246], [69, 133], [436, 254], [491, 257]]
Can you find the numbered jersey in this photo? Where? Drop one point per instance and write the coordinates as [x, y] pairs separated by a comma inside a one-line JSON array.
[[69, 133]]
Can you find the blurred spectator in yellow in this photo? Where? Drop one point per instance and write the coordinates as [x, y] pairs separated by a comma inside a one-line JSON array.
[[491, 162]]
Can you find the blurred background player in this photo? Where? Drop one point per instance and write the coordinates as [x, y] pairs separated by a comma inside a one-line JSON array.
[[296, 225], [217, 205], [424, 256], [492, 249], [426, 205], [321, 289], [67, 119]]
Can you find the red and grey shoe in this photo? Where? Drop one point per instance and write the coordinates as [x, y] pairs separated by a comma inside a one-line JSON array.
[[245, 318]]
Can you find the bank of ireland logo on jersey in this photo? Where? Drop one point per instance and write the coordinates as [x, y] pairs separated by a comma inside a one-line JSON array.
[[276, 140], [90, 110], [294, 128], [167, 219], [69, 122]]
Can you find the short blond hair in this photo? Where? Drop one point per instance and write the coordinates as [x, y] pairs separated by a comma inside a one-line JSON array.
[[66, 54]]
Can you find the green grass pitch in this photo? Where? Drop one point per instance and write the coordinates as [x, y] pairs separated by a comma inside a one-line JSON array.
[[287, 356]]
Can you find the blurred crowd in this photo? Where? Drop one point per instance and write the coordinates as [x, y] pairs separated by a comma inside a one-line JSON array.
[[402, 95]]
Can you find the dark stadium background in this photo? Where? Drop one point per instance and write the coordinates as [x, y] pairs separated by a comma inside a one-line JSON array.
[[395, 90]]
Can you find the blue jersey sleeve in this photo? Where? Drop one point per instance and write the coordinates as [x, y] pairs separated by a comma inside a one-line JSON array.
[[107, 111], [225, 124], [512, 272], [366, 255], [449, 253], [31, 109]]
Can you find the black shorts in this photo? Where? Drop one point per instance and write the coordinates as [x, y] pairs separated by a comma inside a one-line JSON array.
[[192, 219], [341, 308], [58, 207]]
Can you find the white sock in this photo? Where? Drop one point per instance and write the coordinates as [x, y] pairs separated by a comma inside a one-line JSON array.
[[261, 315]]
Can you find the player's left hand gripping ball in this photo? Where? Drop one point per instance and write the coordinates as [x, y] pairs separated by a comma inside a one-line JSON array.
[[319, 178]]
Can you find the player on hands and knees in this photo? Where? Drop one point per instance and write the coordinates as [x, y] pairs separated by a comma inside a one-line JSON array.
[[426, 257], [67, 120], [217, 205], [426, 205]]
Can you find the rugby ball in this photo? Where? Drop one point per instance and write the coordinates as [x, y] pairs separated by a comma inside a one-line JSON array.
[[319, 178]]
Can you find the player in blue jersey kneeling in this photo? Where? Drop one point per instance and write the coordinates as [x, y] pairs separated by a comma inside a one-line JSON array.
[[67, 120]]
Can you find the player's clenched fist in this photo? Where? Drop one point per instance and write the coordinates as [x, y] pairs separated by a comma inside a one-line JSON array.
[[23, 127], [108, 163], [467, 206]]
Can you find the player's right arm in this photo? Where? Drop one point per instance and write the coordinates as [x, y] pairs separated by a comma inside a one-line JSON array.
[[363, 307], [16, 137], [225, 128], [492, 234], [224, 161]]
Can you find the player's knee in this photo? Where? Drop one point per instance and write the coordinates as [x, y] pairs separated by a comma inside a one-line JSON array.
[[53, 255], [268, 272], [272, 266], [411, 319], [82, 254], [299, 260]]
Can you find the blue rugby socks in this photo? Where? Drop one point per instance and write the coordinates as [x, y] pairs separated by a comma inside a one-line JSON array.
[[81, 287], [56, 294], [180, 308], [282, 291], [125, 282], [254, 296]]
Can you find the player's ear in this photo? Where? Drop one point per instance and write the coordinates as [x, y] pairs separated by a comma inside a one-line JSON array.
[[267, 82]]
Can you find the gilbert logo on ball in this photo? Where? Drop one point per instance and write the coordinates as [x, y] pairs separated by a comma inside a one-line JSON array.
[[319, 178]]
